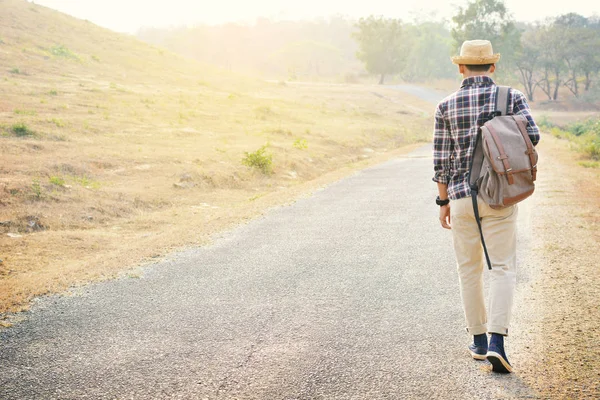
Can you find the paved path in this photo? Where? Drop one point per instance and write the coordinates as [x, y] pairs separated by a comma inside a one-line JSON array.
[[348, 294]]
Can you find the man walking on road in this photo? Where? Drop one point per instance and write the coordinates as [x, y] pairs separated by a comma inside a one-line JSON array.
[[457, 120]]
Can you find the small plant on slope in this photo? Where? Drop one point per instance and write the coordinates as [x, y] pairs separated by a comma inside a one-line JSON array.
[[21, 130], [301, 144], [260, 160], [63, 52]]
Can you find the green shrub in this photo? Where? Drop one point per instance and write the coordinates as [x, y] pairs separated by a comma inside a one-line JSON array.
[[21, 130], [592, 149], [63, 52], [590, 164], [544, 122], [260, 160], [301, 144], [58, 122], [577, 128], [16, 71], [57, 180], [559, 133], [589, 126], [25, 112], [53, 93], [585, 135], [87, 182], [36, 189]]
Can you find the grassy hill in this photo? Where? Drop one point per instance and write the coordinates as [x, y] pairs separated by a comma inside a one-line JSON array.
[[114, 152]]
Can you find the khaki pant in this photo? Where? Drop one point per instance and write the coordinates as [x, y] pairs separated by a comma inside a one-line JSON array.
[[500, 234]]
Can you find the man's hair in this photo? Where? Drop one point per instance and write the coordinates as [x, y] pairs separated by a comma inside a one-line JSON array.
[[479, 68]]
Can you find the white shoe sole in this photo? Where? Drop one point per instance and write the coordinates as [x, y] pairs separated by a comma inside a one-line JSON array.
[[476, 356], [499, 364]]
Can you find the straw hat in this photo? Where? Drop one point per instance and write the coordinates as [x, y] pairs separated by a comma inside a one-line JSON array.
[[476, 52]]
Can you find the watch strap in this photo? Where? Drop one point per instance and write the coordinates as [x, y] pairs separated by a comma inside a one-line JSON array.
[[441, 202]]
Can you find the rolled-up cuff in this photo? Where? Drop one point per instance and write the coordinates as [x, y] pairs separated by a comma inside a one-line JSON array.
[[500, 330], [439, 178], [477, 330]]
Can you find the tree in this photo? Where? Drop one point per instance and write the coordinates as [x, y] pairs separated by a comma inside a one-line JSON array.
[[580, 51], [591, 62], [381, 45], [488, 20], [430, 48], [552, 46], [563, 51], [528, 61]]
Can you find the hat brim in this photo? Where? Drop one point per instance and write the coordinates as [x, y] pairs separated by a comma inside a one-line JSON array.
[[472, 60]]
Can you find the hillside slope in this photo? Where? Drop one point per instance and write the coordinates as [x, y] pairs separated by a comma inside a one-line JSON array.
[[114, 151]]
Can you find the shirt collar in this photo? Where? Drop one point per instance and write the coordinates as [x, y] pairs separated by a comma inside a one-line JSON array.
[[479, 80]]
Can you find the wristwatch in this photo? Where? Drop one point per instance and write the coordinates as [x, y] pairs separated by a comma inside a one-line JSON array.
[[441, 202]]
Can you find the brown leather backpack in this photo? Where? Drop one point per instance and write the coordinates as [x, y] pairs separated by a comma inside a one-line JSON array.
[[504, 166]]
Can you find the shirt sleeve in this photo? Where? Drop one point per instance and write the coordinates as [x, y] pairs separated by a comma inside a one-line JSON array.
[[522, 108], [442, 148]]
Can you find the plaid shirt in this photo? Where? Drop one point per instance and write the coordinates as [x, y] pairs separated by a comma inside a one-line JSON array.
[[457, 119]]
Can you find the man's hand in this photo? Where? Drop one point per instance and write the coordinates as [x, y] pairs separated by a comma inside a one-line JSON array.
[[445, 216]]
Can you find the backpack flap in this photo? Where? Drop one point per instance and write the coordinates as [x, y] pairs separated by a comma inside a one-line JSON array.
[[504, 144]]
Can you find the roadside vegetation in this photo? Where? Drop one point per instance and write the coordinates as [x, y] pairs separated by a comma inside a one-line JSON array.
[[583, 135], [115, 152]]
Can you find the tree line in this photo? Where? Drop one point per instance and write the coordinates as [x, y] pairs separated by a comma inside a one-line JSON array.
[[544, 57], [321, 48], [549, 55], [564, 52]]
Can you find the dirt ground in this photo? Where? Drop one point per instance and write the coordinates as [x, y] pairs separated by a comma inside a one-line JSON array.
[[559, 337]]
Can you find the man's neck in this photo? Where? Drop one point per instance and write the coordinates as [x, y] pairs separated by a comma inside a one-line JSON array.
[[471, 74]]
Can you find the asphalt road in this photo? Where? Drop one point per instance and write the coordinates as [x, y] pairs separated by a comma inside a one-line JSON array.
[[348, 294]]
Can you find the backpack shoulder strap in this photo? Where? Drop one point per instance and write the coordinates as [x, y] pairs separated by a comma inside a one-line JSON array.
[[477, 160], [503, 100]]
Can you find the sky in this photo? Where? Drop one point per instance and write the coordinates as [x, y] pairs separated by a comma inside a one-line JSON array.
[[130, 15]]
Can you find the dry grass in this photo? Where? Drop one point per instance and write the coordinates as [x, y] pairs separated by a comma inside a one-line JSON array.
[[115, 152]]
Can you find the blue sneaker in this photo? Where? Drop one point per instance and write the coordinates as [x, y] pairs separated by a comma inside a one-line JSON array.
[[496, 355], [479, 347]]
